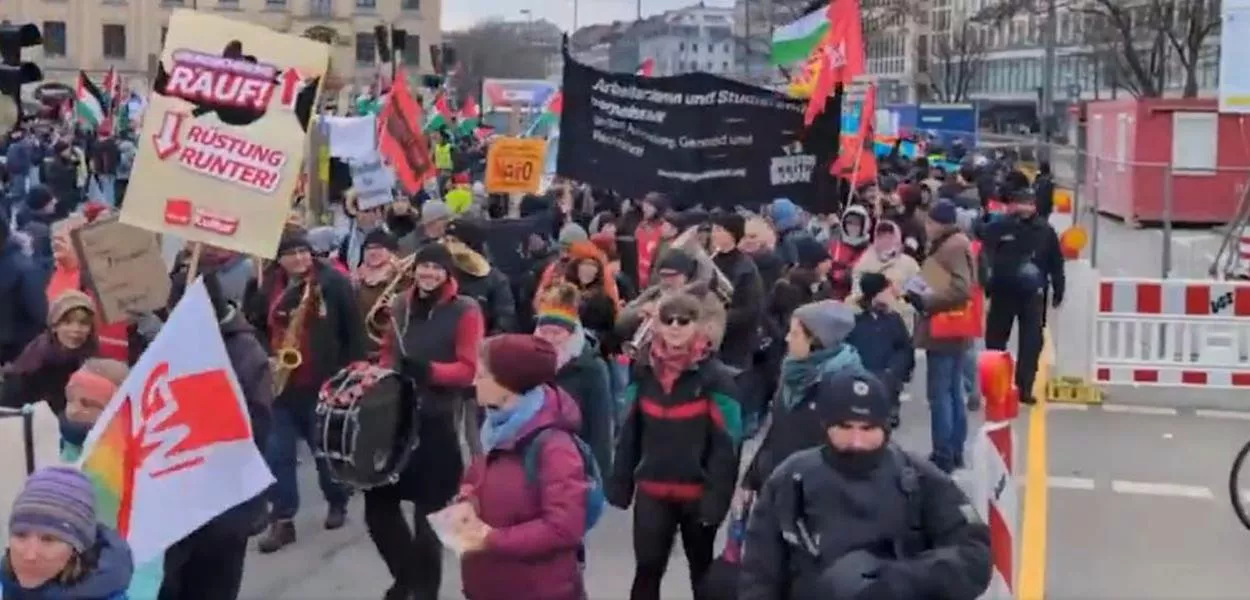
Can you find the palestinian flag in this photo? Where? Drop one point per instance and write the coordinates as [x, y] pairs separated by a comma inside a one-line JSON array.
[[469, 117], [794, 42], [440, 116], [90, 102], [112, 89], [550, 116]]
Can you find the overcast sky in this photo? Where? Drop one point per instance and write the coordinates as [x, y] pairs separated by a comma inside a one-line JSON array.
[[461, 14]]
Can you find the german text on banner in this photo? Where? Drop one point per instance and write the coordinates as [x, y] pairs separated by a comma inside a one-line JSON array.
[[225, 131]]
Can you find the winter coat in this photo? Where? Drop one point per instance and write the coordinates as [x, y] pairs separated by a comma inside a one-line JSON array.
[[884, 345], [898, 269], [108, 579], [41, 373], [682, 445], [745, 309], [531, 554], [493, 292], [770, 265], [951, 277], [585, 378], [24, 311], [794, 428]]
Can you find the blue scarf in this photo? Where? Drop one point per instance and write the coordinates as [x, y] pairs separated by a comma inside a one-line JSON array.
[[799, 375], [503, 424]]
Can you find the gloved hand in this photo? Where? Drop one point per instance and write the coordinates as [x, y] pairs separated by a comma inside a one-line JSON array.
[[915, 299], [147, 324], [418, 369], [1056, 299], [619, 496]]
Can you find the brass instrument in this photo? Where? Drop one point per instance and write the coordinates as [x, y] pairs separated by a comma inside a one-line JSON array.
[[379, 317], [466, 259], [642, 336], [288, 357], [688, 242]]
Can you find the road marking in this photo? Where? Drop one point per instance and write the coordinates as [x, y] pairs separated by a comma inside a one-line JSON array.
[[1070, 483], [1068, 406], [1032, 581], [1139, 410], [1223, 414], [1174, 490]]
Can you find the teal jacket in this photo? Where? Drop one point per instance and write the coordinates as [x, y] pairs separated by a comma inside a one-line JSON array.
[[145, 584]]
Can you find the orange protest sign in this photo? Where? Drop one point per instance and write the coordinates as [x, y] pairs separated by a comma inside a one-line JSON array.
[[400, 139], [515, 165]]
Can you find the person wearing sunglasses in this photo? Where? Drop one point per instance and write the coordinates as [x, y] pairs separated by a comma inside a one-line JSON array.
[[676, 457]]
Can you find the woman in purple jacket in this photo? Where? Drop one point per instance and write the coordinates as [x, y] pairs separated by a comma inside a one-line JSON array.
[[523, 541]]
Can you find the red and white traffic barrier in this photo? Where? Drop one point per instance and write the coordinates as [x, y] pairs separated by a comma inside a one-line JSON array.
[[1171, 332], [1243, 253], [995, 469]]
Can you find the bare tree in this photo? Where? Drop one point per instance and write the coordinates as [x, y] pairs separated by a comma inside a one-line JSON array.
[[1139, 41], [957, 59], [500, 49]]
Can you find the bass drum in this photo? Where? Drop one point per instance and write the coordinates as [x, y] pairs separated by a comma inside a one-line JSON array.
[[366, 425]]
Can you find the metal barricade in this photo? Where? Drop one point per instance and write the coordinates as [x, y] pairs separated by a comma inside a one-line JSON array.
[[1172, 332], [27, 415]]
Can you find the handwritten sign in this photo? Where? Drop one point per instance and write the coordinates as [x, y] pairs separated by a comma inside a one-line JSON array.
[[515, 165], [373, 182], [124, 267]]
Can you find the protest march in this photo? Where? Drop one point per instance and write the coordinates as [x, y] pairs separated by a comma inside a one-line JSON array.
[[517, 332]]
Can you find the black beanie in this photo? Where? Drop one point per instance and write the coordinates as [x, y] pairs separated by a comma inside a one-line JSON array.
[[678, 260], [852, 395], [732, 222], [38, 197], [871, 284], [381, 237], [292, 240], [470, 232], [434, 253], [809, 252]]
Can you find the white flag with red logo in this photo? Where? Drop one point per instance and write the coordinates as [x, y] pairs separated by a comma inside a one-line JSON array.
[[174, 448]]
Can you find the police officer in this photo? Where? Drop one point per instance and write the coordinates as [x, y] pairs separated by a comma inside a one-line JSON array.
[[1022, 256], [858, 518]]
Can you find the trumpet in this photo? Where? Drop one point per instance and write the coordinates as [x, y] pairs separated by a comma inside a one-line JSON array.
[[642, 336], [688, 242], [379, 316]]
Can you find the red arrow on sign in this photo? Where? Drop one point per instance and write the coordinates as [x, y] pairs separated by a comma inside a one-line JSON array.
[[291, 84], [166, 140]]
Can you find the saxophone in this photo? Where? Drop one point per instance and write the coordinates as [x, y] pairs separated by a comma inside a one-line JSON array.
[[288, 357]]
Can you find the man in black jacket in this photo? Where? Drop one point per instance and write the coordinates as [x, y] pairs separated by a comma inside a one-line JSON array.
[[858, 518], [1024, 262], [332, 336], [747, 305]]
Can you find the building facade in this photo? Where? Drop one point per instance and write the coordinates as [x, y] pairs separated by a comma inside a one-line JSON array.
[[685, 40], [127, 35]]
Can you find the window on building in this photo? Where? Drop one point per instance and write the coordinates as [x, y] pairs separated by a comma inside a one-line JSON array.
[[366, 48], [412, 50], [681, 46], [114, 40], [164, 32], [724, 66], [228, 3], [275, 3], [54, 39], [1195, 137], [411, 5], [367, 4], [694, 48], [726, 46], [708, 68]]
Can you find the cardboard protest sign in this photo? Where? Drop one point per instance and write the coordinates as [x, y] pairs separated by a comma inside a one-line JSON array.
[[373, 182], [400, 139], [515, 165], [124, 267], [224, 136]]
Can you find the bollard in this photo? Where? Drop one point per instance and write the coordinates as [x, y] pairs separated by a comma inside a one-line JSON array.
[[1002, 405]]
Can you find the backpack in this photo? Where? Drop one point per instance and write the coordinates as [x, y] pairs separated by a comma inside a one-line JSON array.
[[596, 499]]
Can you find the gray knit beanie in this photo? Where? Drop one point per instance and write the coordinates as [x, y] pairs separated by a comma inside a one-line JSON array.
[[57, 501], [829, 321]]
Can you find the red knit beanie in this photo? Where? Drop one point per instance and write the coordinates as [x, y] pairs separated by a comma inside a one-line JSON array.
[[519, 362]]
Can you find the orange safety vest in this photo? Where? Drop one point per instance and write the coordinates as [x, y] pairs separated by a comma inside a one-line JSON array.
[[967, 322]]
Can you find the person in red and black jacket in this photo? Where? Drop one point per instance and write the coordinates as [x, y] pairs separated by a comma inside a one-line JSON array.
[[678, 446], [332, 337], [434, 340]]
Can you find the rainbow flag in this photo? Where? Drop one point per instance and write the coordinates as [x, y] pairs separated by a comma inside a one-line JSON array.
[[111, 464]]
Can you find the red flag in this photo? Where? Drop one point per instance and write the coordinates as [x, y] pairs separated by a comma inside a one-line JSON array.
[[470, 110], [647, 67], [841, 55], [857, 155], [401, 140]]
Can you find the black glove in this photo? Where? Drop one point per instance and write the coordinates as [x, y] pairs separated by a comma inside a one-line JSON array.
[[915, 299], [418, 369], [619, 496], [1056, 299]]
